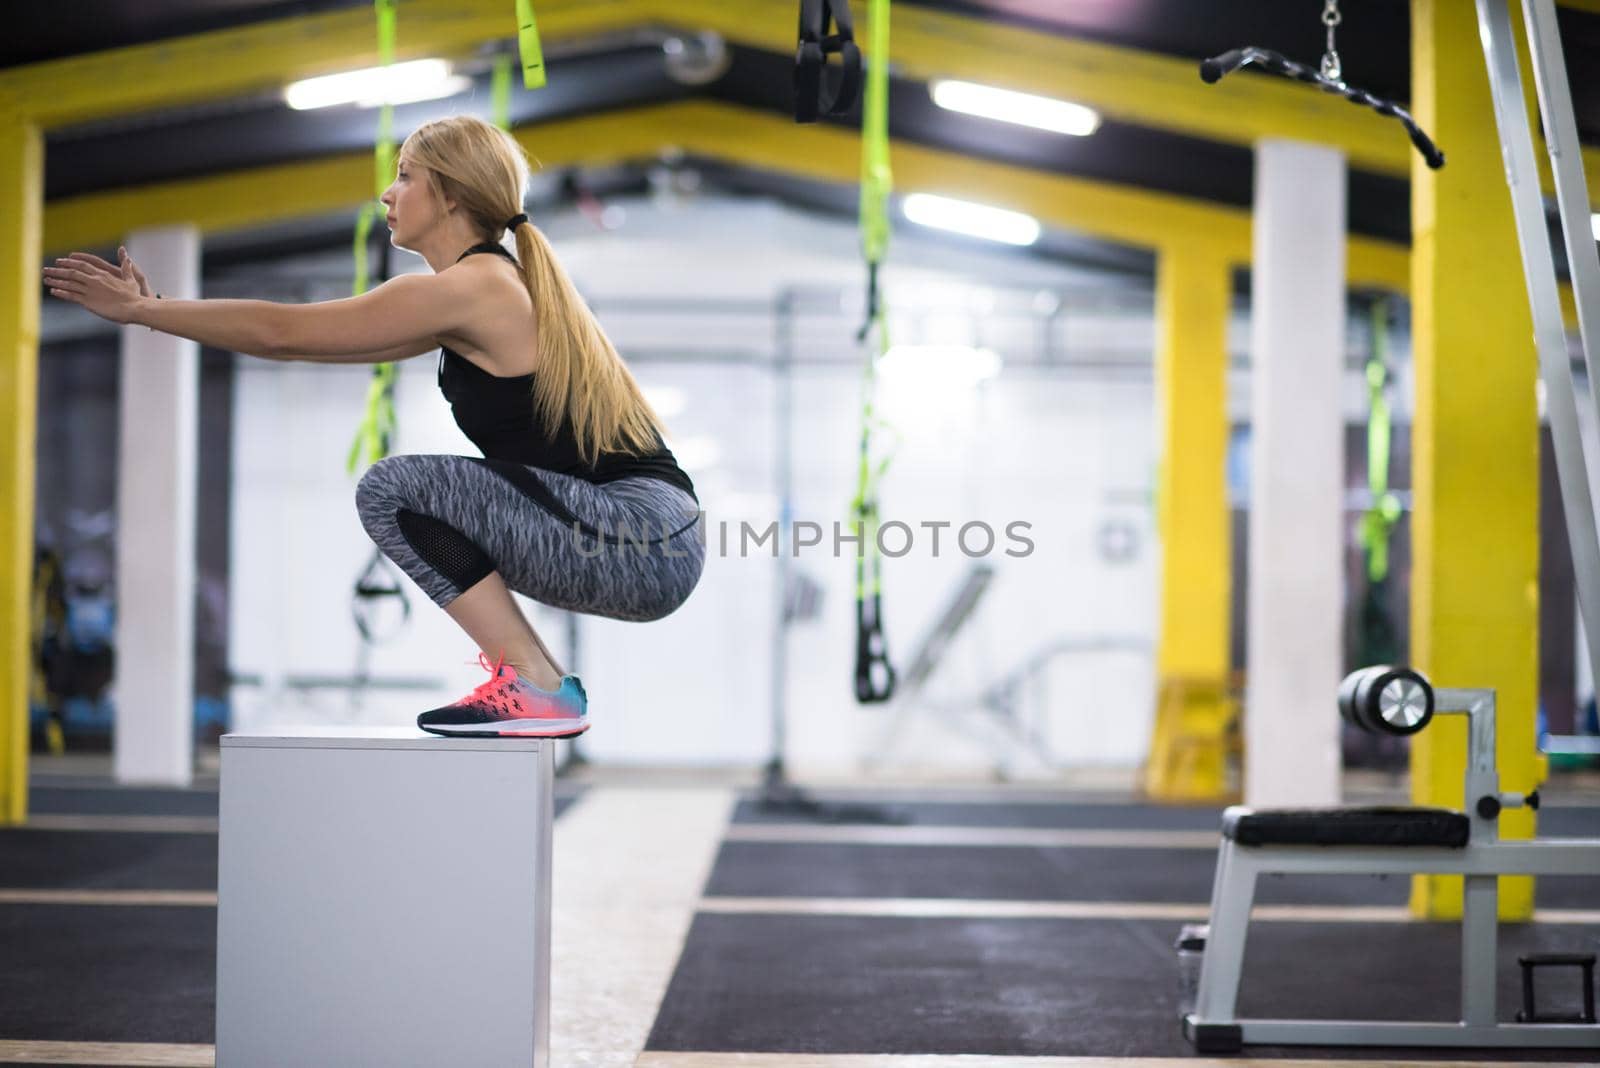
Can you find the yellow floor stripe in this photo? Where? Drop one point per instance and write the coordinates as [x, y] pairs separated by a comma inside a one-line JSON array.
[[916, 907], [160, 1055], [1097, 838], [143, 824], [201, 784], [943, 908], [118, 1054], [185, 898], [891, 1060]]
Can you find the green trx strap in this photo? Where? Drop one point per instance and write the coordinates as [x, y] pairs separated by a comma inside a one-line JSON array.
[[1384, 511], [874, 676], [376, 432], [375, 435], [528, 45], [500, 91]]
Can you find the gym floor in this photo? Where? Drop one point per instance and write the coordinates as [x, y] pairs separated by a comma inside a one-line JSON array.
[[929, 926]]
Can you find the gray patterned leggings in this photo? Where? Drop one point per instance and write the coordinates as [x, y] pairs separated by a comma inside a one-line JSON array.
[[631, 549]]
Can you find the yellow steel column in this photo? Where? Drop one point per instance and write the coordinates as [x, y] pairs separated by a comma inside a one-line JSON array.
[[22, 201], [1475, 442], [1194, 712]]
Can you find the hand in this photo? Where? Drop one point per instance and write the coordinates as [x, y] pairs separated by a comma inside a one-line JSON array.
[[92, 260], [111, 291]]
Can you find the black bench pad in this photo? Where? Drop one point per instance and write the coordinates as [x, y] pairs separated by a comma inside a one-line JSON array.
[[1347, 826]]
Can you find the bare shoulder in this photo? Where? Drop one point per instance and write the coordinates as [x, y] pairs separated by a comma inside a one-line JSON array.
[[499, 330], [483, 276]]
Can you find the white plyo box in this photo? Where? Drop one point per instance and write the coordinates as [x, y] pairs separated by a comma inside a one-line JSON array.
[[383, 899]]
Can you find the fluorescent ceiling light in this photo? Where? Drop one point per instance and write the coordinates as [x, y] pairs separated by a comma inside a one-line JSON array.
[[398, 83], [976, 220], [953, 365], [1024, 109]]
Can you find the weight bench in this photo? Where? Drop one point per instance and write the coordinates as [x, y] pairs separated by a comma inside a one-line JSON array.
[[1400, 841]]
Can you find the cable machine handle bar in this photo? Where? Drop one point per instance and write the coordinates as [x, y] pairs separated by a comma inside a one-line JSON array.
[[1212, 70]]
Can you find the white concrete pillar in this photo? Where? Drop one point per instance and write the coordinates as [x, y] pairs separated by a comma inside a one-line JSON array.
[[153, 740], [1297, 336]]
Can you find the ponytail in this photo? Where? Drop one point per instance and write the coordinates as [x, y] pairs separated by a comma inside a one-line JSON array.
[[580, 375]]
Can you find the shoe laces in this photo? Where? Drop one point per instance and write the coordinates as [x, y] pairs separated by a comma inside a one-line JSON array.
[[495, 680]]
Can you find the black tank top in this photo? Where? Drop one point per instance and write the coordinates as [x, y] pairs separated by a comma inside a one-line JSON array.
[[496, 414]]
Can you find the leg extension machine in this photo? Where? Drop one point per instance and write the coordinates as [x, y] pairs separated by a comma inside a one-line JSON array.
[[1399, 841]]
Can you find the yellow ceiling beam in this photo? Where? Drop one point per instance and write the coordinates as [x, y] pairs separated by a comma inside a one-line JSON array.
[[1122, 214], [1128, 85], [1124, 84], [266, 56]]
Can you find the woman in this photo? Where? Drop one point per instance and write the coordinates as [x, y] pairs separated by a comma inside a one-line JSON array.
[[576, 502]]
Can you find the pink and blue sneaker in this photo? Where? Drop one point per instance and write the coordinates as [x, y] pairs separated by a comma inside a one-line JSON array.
[[507, 706]]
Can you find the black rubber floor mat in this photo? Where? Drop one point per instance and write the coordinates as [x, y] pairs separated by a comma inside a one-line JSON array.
[[1022, 873], [108, 973], [1088, 988], [1011, 814], [1569, 821], [107, 860], [115, 801]]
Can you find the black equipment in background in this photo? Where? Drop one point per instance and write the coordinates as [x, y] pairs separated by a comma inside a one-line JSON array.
[[813, 97]]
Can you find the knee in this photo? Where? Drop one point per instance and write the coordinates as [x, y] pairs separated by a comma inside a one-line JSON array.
[[378, 494], [677, 584]]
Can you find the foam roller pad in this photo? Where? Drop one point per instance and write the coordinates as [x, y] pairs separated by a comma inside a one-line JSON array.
[[1347, 827]]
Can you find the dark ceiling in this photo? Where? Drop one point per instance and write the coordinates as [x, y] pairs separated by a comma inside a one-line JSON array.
[[51, 31], [1374, 42]]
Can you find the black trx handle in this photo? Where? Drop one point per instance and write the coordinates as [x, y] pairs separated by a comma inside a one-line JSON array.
[[370, 586], [874, 674], [1212, 70], [872, 302], [812, 96]]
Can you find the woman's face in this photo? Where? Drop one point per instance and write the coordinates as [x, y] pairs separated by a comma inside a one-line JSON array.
[[412, 207]]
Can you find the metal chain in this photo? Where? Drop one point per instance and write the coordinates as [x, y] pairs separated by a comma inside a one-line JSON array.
[[1332, 69]]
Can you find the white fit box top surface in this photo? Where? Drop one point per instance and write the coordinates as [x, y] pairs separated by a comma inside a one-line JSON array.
[[383, 898], [370, 738]]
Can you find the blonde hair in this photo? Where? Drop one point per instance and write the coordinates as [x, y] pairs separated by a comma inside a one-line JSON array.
[[580, 375]]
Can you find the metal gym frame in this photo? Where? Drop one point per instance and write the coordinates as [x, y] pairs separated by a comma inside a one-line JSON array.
[[1327, 842], [1392, 842]]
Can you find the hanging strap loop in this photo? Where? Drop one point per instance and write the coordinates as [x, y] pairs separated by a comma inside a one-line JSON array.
[[874, 674], [813, 97], [375, 434]]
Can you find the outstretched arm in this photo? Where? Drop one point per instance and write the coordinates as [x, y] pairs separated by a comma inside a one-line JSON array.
[[390, 355], [127, 266], [403, 313]]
